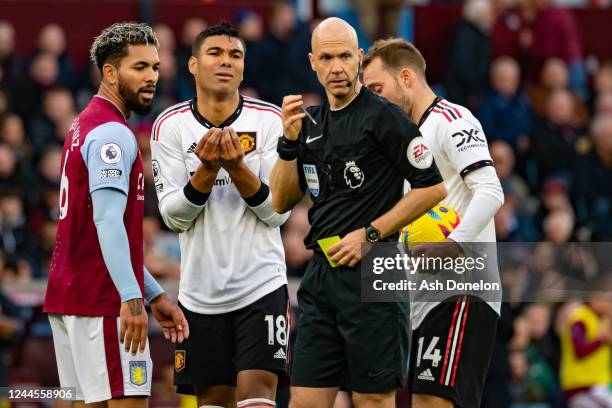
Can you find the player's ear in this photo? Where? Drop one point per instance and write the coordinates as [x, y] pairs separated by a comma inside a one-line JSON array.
[[109, 73], [311, 59], [192, 64], [406, 77]]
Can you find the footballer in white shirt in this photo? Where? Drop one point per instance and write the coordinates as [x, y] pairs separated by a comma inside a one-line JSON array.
[[211, 159], [452, 337]]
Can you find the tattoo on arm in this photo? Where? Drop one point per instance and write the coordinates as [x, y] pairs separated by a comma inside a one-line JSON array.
[[135, 306]]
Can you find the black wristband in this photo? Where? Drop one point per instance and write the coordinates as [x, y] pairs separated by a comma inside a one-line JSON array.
[[287, 149], [194, 196], [259, 197]]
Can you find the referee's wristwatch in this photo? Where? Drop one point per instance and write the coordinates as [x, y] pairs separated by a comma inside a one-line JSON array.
[[372, 233]]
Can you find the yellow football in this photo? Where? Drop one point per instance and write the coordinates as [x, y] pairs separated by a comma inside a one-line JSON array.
[[433, 226]]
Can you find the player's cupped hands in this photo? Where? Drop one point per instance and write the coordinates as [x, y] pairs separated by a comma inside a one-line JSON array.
[[207, 149], [230, 150], [292, 116], [133, 324], [171, 319], [347, 252]]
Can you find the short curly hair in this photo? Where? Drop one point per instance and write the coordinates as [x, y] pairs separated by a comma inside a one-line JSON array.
[[111, 45], [223, 28]]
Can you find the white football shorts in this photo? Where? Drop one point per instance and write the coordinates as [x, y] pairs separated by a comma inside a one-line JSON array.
[[91, 359]]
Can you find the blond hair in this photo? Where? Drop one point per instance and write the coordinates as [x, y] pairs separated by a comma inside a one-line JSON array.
[[111, 45]]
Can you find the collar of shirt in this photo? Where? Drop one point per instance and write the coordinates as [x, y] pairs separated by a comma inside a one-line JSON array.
[[112, 105], [206, 123]]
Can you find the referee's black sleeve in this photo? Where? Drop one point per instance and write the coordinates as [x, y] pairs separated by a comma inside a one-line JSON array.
[[394, 131]]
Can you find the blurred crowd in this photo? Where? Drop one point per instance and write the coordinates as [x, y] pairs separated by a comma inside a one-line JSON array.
[[547, 115], [546, 112]]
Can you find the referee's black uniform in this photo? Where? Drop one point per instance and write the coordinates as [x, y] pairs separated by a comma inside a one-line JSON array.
[[354, 163]]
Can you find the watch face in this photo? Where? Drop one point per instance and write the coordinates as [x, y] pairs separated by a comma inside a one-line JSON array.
[[373, 234]]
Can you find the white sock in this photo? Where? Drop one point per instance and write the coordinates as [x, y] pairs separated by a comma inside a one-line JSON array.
[[211, 406], [256, 403]]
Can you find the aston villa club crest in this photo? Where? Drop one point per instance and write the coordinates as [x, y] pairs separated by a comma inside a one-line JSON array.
[[138, 372], [248, 141]]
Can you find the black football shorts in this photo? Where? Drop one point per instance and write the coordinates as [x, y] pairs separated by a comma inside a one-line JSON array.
[[451, 350], [255, 337]]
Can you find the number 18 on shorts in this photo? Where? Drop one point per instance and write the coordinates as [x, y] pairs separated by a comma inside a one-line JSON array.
[[255, 337]]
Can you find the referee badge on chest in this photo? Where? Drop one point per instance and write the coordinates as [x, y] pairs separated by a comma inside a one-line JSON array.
[[312, 179]]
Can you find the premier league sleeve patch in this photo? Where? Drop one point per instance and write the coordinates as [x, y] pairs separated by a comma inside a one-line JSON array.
[[248, 141], [156, 170], [110, 153], [138, 372]]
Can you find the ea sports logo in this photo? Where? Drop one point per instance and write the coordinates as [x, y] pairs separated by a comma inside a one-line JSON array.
[[419, 154], [419, 150]]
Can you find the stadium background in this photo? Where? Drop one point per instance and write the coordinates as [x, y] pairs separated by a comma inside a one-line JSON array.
[[537, 75]]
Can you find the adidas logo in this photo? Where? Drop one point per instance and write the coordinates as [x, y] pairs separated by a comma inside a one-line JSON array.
[[426, 375], [192, 148], [280, 354]]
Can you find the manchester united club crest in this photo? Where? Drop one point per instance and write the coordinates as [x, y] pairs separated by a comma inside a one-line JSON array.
[[138, 372], [353, 176], [179, 360], [248, 140]]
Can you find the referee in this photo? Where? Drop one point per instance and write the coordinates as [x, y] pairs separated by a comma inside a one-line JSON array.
[[353, 156]]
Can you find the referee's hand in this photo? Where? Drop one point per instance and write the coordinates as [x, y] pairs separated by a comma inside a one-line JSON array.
[[133, 324], [292, 116], [347, 252]]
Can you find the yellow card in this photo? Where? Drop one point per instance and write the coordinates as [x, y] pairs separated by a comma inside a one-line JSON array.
[[327, 243]]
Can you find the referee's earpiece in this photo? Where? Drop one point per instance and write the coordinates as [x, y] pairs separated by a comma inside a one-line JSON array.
[[350, 83]]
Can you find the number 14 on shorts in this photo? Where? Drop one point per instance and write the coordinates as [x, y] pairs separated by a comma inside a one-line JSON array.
[[431, 352]]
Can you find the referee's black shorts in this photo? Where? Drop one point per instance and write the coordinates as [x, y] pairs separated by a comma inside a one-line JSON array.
[[342, 341]]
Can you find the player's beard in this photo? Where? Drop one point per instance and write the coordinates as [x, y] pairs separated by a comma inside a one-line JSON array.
[[403, 100], [406, 103], [131, 99]]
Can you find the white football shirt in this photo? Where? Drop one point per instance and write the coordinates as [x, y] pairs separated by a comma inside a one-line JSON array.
[[229, 257], [459, 146]]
